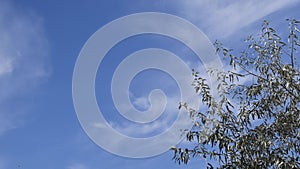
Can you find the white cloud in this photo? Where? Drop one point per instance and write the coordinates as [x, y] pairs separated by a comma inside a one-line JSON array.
[[223, 18], [23, 56]]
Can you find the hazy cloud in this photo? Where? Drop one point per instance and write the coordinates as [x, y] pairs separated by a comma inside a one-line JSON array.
[[23, 57], [223, 18]]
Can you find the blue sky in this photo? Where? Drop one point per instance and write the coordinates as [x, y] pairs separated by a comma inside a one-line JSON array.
[[39, 44]]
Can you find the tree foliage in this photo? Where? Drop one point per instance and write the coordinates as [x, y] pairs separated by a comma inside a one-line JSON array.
[[255, 121]]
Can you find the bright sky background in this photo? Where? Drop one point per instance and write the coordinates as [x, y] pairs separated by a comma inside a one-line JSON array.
[[39, 44]]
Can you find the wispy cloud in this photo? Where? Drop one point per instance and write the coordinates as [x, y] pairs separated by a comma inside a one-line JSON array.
[[2, 164], [137, 130], [77, 166], [23, 58], [141, 102], [7, 122], [221, 19]]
